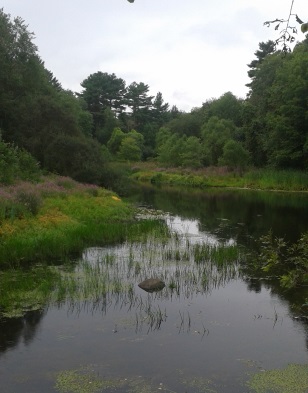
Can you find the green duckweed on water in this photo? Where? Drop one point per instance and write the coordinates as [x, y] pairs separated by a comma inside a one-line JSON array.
[[87, 380], [292, 379], [83, 381], [201, 385]]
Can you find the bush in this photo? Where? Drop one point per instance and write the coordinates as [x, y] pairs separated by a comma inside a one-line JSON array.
[[79, 158], [17, 164], [30, 199]]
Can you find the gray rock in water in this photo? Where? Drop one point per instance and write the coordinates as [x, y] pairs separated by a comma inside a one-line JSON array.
[[152, 285]]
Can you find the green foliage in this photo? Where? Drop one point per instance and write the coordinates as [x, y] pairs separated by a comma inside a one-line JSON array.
[[110, 122], [215, 133], [169, 153], [278, 98], [159, 111], [8, 163], [130, 150], [227, 107], [264, 179], [188, 124], [38, 115], [269, 179], [103, 91], [234, 155], [115, 140], [288, 262], [192, 153], [265, 49], [28, 167], [16, 164], [137, 97], [57, 127], [68, 217], [79, 158]]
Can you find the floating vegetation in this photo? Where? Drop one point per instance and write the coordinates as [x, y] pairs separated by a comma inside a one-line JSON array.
[[201, 385], [292, 379], [88, 380], [141, 385], [83, 381]]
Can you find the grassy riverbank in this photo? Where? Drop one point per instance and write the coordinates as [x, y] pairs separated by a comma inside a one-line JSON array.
[[57, 217], [264, 179]]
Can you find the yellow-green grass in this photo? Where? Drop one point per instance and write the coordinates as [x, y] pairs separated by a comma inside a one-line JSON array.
[[65, 223]]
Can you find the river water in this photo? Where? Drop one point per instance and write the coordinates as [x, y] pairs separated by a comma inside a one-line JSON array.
[[195, 336]]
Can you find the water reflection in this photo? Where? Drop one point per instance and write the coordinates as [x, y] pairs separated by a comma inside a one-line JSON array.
[[238, 214], [209, 321], [14, 331]]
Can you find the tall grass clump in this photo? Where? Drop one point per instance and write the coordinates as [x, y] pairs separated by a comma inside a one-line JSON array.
[[265, 178], [220, 254], [270, 179]]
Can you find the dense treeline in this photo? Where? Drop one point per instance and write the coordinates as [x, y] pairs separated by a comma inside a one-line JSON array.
[[78, 134], [268, 128]]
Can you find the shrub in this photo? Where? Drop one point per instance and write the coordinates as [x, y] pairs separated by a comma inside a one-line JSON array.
[[17, 164], [30, 199]]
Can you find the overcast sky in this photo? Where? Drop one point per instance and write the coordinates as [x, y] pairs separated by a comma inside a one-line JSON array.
[[190, 50]]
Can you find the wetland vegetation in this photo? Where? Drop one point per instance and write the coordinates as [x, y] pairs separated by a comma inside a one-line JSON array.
[[210, 294], [262, 179], [232, 314]]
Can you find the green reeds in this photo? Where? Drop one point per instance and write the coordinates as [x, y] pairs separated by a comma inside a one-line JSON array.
[[265, 179], [280, 180], [109, 275]]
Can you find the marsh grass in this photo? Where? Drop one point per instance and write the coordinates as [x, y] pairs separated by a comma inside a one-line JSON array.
[[74, 216], [269, 179], [265, 179], [64, 219], [110, 274]]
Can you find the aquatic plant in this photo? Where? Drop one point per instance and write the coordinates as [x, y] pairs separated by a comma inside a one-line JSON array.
[[87, 380], [288, 262], [292, 379], [83, 381]]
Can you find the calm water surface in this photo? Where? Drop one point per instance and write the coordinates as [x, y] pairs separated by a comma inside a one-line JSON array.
[[198, 338]]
